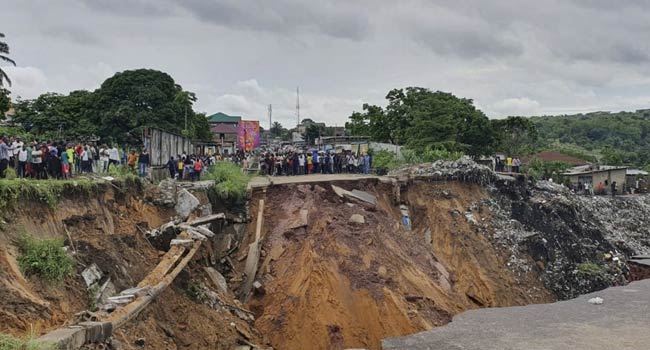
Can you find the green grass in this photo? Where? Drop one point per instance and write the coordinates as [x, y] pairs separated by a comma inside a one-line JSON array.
[[230, 181], [389, 160], [589, 269], [8, 342], [44, 258], [48, 191]]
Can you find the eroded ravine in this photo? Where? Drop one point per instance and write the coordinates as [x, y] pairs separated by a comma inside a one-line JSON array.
[[324, 282]]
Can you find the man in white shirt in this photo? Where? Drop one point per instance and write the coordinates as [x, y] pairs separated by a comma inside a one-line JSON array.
[[113, 156], [22, 160]]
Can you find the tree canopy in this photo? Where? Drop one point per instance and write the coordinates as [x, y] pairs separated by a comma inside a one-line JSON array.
[[4, 51], [621, 138], [422, 119], [122, 107]]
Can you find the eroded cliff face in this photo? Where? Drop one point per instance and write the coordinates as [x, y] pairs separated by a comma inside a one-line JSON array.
[[337, 272], [477, 240], [332, 283]]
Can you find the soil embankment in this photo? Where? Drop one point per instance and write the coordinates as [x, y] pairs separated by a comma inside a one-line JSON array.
[[335, 271], [335, 284]]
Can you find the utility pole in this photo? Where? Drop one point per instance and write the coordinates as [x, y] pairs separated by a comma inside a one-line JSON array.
[[270, 117], [297, 105]]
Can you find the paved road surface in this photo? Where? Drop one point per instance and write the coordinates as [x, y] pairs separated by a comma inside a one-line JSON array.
[[621, 322], [263, 181]]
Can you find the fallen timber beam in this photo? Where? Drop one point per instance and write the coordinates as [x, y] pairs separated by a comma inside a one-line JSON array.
[[207, 219], [125, 314]]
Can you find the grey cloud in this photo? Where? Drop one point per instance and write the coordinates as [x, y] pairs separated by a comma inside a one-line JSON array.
[[469, 44], [146, 8], [73, 33], [295, 17]]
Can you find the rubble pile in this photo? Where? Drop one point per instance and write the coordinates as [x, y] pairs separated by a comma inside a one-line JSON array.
[[577, 244], [463, 169]]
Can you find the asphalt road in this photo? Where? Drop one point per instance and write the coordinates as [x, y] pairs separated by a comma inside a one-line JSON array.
[[263, 181], [621, 322]]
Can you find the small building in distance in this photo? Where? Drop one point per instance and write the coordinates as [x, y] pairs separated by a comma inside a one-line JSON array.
[[555, 156], [598, 175], [224, 129]]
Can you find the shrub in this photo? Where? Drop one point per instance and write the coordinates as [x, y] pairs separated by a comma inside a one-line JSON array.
[[195, 291], [589, 269], [230, 181], [8, 342], [385, 160], [44, 258]]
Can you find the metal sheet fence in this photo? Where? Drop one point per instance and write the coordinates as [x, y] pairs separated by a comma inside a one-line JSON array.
[[162, 145]]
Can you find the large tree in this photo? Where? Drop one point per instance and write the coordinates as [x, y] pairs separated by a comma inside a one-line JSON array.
[[422, 119], [53, 115], [515, 135], [5, 102], [4, 51], [133, 100]]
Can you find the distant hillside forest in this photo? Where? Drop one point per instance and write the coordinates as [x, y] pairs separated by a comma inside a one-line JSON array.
[[607, 138], [426, 121]]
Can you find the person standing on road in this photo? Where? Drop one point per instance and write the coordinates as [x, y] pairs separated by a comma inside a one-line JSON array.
[[113, 156], [143, 162], [613, 187], [22, 161], [171, 165], [4, 156]]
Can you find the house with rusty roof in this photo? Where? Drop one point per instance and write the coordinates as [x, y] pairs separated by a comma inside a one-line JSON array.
[[224, 129]]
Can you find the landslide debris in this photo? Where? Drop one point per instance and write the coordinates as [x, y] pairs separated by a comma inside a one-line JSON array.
[[354, 274]]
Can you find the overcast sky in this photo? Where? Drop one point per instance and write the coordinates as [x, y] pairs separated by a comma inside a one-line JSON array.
[[513, 57]]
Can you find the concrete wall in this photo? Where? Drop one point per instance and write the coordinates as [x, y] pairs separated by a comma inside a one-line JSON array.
[[379, 146], [597, 177]]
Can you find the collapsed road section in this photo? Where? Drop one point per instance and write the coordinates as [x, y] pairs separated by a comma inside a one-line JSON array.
[[335, 263]]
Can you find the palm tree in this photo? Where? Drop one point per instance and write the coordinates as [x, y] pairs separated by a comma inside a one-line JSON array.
[[4, 50], [276, 129]]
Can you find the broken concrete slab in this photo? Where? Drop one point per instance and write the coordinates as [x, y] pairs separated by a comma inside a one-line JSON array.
[[182, 242], [97, 332], [300, 221], [68, 338], [92, 275], [208, 219], [364, 196], [217, 280], [357, 219], [196, 235], [252, 261], [186, 203], [339, 191], [204, 231], [355, 194]]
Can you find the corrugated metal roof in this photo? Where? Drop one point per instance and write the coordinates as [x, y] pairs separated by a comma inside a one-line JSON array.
[[591, 169], [224, 128], [221, 117]]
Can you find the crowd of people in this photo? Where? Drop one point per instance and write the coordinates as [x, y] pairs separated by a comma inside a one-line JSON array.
[[63, 160], [189, 167], [292, 163], [507, 164]]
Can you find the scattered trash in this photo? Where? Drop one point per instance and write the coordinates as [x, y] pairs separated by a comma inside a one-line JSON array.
[[596, 301]]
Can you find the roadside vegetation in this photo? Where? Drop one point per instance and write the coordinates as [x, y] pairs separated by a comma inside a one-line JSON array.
[[386, 160], [8, 342], [44, 258], [46, 191], [230, 181]]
